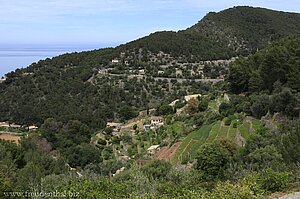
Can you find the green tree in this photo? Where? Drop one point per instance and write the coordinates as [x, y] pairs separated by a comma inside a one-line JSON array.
[[239, 75], [260, 106], [83, 155], [165, 109], [255, 82], [265, 157], [212, 160], [157, 169], [29, 177]]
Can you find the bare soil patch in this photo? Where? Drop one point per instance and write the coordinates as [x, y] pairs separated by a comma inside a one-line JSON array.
[[14, 138], [167, 153]]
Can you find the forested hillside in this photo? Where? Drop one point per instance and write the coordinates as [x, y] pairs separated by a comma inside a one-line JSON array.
[[224, 34], [238, 136], [243, 145], [264, 71], [70, 87], [247, 29]]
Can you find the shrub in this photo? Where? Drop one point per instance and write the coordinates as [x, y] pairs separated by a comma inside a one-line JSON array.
[[228, 190], [234, 125], [267, 181], [212, 160], [102, 142], [157, 169], [227, 121], [108, 130]]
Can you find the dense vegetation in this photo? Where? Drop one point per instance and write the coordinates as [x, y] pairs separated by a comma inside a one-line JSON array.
[[271, 77], [240, 139], [247, 29], [268, 163], [268, 69], [62, 87], [222, 35]]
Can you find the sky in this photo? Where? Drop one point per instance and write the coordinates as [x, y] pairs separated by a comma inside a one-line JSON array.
[[108, 22]]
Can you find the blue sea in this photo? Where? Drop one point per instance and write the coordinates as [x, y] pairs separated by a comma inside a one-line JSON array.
[[13, 56]]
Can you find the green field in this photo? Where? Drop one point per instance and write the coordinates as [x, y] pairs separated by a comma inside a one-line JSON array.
[[208, 133], [214, 131], [190, 144], [232, 133]]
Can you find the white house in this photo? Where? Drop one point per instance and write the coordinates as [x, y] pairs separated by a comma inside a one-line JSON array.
[[32, 128], [142, 72], [189, 97], [161, 72], [156, 121], [115, 61], [119, 171], [2, 79], [4, 124], [15, 126], [226, 97], [173, 103]]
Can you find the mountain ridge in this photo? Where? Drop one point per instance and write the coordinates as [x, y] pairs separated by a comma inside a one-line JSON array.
[[32, 95], [223, 34]]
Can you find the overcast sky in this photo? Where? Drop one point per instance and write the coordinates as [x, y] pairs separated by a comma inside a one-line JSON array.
[[108, 21]]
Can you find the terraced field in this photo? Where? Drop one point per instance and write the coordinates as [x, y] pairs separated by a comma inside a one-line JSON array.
[[192, 142], [208, 133]]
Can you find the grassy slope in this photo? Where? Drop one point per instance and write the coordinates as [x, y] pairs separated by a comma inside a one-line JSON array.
[[192, 142], [208, 133]]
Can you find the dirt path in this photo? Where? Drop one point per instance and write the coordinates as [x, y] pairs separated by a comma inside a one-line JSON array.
[[291, 196]]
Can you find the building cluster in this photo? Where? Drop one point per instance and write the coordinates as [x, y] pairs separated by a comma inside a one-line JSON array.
[[17, 126]]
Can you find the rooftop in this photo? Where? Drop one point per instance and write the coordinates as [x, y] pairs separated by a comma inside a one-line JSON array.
[[156, 118], [154, 147]]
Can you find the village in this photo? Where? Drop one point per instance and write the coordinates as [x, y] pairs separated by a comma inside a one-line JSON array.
[[163, 66], [146, 123], [143, 129]]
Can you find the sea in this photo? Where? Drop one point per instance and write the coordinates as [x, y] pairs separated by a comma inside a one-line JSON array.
[[13, 56]]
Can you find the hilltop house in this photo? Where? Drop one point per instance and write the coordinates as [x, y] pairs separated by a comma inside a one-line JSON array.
[[2, 79]]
